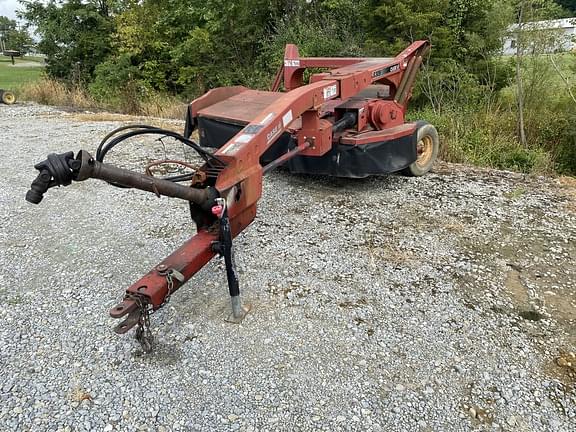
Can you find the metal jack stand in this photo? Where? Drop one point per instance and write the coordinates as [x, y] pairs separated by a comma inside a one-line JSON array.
[[223, 247]]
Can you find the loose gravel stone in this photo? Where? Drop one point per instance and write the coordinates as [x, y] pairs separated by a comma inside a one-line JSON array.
[[386, 304]]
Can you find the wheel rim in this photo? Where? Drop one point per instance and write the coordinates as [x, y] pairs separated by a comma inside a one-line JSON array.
[[9, 98], [425, 149]]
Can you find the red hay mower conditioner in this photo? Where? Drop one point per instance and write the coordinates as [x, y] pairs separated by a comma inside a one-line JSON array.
[[346, 122]]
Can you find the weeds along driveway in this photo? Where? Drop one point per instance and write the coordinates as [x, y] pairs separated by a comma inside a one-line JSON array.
[[443, 303]]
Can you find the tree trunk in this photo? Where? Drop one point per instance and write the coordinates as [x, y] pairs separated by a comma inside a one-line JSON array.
[[519, 83]]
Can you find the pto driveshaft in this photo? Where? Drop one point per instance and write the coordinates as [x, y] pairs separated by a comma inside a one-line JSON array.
[[60, 170]]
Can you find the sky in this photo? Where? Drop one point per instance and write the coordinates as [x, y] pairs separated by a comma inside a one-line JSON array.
[[8, 8]]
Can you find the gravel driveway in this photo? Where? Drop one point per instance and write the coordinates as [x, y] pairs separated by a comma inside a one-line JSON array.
[[443, 303]]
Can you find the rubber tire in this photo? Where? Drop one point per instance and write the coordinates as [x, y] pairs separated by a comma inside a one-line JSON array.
[[415, 170], [7, 97]]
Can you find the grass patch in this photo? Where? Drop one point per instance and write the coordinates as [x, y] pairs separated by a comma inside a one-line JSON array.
[[485, 138], [51, 92], [25, 70]]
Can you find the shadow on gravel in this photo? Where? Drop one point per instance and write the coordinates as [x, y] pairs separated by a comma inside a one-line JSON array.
[[163, 354]]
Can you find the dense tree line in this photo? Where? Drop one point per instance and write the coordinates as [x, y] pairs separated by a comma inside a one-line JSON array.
[[185, 47], [188, 46]]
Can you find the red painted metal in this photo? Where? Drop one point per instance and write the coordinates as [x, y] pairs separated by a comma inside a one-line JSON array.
[[242, 153], [188, 259], [294, 66], [380, 135], [240, 108], [315, 133], [214, 96], [385, 114]]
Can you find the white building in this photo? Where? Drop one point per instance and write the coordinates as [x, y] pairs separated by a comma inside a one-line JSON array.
[[551, 36]]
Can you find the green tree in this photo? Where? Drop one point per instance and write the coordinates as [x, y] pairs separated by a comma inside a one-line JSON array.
[[460, 30], [14, 38], [74, 35], [465, 36], [532, 39], [189, 46]]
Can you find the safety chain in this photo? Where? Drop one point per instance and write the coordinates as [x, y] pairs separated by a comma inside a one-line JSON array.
[[170, 275], [170, 285], [143, 331]]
